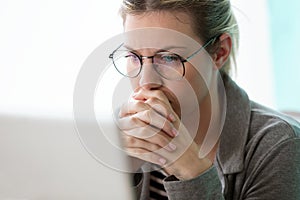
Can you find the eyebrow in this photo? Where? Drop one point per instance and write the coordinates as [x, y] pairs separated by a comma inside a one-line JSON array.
[[167, 48]]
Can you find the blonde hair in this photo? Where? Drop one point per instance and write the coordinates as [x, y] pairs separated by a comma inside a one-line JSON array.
[[211, 18]]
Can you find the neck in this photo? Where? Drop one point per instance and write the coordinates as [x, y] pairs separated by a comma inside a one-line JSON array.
[[210, 123]]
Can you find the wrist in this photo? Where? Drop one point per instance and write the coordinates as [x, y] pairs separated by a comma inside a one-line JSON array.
[[194, 169]]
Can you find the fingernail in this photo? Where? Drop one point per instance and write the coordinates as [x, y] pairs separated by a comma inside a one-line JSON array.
[[172, 117], [175, 132], [162, 161], [172, 146]]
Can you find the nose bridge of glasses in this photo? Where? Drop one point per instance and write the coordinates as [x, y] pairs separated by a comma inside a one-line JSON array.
[[148, 71], [147, 59]]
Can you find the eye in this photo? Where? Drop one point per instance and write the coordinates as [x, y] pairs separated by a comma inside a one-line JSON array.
[[131, 57], [168, 58]]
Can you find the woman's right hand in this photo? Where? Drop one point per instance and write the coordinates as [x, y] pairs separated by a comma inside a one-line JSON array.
[[147, 126]]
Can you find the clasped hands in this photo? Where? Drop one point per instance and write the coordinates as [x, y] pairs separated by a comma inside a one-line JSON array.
[[153, 132]]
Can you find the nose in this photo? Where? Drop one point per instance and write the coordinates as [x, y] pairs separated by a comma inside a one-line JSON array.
[[149, 78]]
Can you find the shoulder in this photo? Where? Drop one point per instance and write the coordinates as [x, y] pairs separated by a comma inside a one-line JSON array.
[[264, 121], [272, 157], [271, 134]]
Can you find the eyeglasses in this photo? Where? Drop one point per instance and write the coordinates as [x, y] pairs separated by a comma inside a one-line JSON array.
[[167, 64]]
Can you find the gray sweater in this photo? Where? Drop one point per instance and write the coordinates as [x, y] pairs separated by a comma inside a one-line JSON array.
[[258, 157]]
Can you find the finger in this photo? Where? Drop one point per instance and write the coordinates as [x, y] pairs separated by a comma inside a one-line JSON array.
[[162, 108], [146, 155], [133, 142], [131, 122], [151, 135], [158, 101], [146, 118], [146, 94], [132, 108], [153, 118]]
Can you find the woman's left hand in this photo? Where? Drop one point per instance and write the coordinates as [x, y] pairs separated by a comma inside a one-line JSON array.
[[184, 161]]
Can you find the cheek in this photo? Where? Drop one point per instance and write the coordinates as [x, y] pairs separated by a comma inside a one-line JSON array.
[[134, 83], [199, 81], [189, 93], [187, 99]]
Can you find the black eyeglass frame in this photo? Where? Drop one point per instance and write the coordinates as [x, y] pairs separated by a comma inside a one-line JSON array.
[[140, 57]]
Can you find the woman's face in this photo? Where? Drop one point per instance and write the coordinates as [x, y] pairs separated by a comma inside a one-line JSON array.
[[178, 92]]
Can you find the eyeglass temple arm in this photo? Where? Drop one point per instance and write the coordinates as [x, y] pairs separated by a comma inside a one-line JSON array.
[[203, 47], [111, 55]]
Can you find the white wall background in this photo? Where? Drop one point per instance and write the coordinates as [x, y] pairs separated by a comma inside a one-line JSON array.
[[255, 73], [44, 43]]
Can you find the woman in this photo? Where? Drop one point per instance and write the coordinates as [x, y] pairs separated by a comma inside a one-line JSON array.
[[257, 155]]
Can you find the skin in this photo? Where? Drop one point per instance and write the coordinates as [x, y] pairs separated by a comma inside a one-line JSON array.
[[154, 104]]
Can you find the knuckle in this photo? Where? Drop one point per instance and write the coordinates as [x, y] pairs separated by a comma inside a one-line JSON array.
[[140, 104], [143, 132], [123, 110], [163, 141], [158, 106], [161, 109], [158, 139], [147, 114], [134, 119], [152, 157], [158, 94], [167, 125], [131, 141], [153, 147], [137, 103], [152, 101], [137, 151]]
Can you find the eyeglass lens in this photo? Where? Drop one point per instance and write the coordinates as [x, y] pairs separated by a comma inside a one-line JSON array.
[[166, 64]]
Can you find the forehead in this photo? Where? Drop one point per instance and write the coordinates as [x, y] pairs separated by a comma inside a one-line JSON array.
[[173, 20], [160, 30]]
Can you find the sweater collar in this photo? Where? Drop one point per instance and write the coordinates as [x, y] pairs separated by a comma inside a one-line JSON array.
[[233, 138]]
